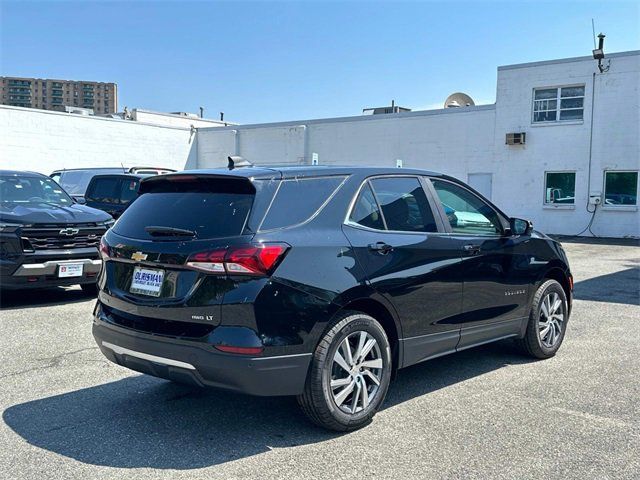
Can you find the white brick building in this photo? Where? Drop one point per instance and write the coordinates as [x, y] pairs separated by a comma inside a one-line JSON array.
[[567, 154], [565, 158]]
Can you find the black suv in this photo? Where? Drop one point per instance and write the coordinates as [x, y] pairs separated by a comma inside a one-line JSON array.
[[114, 192], [320, 282], [46, 239], [76, 180]]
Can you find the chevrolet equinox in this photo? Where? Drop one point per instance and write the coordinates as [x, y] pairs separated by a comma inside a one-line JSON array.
[[320, 282]]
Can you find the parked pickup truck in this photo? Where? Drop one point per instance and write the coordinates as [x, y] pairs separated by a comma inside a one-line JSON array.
[[46, 238]]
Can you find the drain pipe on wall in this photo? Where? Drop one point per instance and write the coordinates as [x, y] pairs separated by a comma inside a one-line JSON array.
[[593, 95], [595, 206]]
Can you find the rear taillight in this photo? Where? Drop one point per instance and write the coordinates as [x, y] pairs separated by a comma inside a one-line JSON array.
[[260, 259], [104, 249]]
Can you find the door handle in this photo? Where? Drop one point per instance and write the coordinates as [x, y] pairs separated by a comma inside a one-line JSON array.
[[380, 247], [471, 249]]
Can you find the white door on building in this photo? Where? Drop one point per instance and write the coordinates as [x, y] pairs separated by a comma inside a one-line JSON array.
[[481, 182]]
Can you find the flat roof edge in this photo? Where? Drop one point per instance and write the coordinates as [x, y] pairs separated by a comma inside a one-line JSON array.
[[91, 117], [38, 79], [182, 117], [357, 118], [630, 53]]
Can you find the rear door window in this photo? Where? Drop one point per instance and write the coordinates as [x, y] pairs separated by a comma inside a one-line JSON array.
[[210, 208], [297, 200], [404, 204], [366, 211]]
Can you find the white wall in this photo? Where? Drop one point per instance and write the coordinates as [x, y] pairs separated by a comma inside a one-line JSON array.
[[44, 141], [471, 140], [458, 142], [565, 147], [431, 139]]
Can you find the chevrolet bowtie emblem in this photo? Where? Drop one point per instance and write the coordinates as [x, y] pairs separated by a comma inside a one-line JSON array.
[[137, 256], [69, 232]]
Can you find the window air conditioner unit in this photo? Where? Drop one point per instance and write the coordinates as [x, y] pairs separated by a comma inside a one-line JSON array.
[[516, 138]]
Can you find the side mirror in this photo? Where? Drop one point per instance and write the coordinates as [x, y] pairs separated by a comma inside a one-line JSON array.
[[80, 200], [518, 226]]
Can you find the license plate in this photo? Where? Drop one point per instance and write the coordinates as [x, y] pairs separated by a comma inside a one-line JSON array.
[[147, 281], [70, 270]]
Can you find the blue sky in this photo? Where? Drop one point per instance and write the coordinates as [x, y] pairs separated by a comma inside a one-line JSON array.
[[271, 61]]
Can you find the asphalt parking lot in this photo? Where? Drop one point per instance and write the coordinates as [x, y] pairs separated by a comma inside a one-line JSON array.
[[483, 413]]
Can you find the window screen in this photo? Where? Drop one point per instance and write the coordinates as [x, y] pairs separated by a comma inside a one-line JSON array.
[[297, 200], [558, 104]]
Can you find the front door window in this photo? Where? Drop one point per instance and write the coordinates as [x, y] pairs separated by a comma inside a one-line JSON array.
[[466, 212]]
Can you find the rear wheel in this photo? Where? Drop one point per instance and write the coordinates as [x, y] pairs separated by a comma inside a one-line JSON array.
[[349, 375], [547, 321]]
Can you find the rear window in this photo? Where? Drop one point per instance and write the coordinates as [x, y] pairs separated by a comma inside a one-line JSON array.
[[76, 181], [297, 200], [104, 190], [210, 208], [128, 190]]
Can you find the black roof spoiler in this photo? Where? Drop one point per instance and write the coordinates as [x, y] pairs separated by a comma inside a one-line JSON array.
[[236, 161]]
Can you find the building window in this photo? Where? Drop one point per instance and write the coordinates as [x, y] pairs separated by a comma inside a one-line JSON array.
[[620, 188], [558, 104], [559, 188]]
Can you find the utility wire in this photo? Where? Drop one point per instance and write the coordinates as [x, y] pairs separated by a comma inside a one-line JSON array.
[[588, 227]]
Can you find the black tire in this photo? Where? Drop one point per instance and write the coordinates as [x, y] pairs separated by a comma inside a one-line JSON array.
[[532, 343], [90, 288], [318, 402]]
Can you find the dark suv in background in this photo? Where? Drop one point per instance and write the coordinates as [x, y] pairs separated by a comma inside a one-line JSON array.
[[76, 180], [46, 238], [320, 282], [113, 193]]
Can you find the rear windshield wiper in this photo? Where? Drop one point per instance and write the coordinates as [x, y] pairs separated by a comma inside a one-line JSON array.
[[169, 232]]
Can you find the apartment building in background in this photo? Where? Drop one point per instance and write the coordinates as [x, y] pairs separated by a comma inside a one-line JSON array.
[[56, 95]]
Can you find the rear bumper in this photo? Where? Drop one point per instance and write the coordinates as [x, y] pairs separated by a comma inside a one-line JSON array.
[[199, 363]]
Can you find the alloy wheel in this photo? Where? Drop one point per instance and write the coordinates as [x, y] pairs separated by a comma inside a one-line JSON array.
[[551, 319], [356, 372]]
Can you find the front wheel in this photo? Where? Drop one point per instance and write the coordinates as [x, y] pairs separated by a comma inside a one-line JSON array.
[[349, 375], [547, 321]]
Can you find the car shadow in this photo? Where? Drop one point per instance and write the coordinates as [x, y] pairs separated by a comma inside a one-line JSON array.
[[142, 421], [46, 297], [622, 242], [618, 287]]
